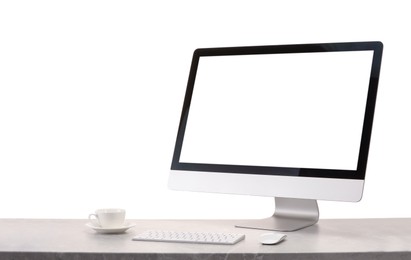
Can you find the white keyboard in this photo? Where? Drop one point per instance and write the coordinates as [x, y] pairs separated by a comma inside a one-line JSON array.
[[190, 237]]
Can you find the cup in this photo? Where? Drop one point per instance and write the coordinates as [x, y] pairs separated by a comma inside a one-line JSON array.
[[108, 218]]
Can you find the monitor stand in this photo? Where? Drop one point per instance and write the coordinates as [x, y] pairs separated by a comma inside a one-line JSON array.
[[289, 215]]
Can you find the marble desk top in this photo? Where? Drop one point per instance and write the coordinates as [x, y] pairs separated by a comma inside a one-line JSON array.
[[328, 239]]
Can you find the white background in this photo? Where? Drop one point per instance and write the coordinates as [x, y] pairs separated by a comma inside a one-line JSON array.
[[91, 93]]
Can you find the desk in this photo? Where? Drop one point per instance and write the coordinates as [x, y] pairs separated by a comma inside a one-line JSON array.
[[329, 239]]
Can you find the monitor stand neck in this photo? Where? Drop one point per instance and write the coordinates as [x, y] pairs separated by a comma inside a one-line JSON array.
[[289, 215]]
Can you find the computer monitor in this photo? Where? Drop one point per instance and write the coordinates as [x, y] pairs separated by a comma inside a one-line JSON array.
[[288, 121]]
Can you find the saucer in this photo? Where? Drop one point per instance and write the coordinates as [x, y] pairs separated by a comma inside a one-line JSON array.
[[113, 230]]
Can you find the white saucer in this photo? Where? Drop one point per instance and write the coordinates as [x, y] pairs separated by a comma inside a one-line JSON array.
[[114, 230]]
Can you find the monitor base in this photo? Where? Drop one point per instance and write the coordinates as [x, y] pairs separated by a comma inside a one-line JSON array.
[[290, 215]]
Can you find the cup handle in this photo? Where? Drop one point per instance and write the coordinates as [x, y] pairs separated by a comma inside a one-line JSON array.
[[94, 219]]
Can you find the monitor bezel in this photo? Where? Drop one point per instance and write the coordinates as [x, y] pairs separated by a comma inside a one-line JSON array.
[[359, 173]]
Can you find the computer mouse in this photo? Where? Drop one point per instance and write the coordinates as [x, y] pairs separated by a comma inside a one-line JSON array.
[[271, 238]]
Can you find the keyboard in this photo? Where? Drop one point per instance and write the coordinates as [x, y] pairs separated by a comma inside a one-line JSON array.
[[190, 237]]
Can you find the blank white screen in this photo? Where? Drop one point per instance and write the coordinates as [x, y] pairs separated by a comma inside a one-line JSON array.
[[302, 110]]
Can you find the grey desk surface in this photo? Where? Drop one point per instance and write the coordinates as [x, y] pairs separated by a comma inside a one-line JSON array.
[[328, 239]]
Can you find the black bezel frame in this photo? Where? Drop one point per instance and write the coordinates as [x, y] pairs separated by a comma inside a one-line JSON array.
[[375, 46]]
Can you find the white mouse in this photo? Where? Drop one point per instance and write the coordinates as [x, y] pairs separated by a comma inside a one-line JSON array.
[[271, 238]]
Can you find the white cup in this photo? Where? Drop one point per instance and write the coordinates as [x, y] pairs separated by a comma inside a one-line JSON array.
[[108, 218]]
